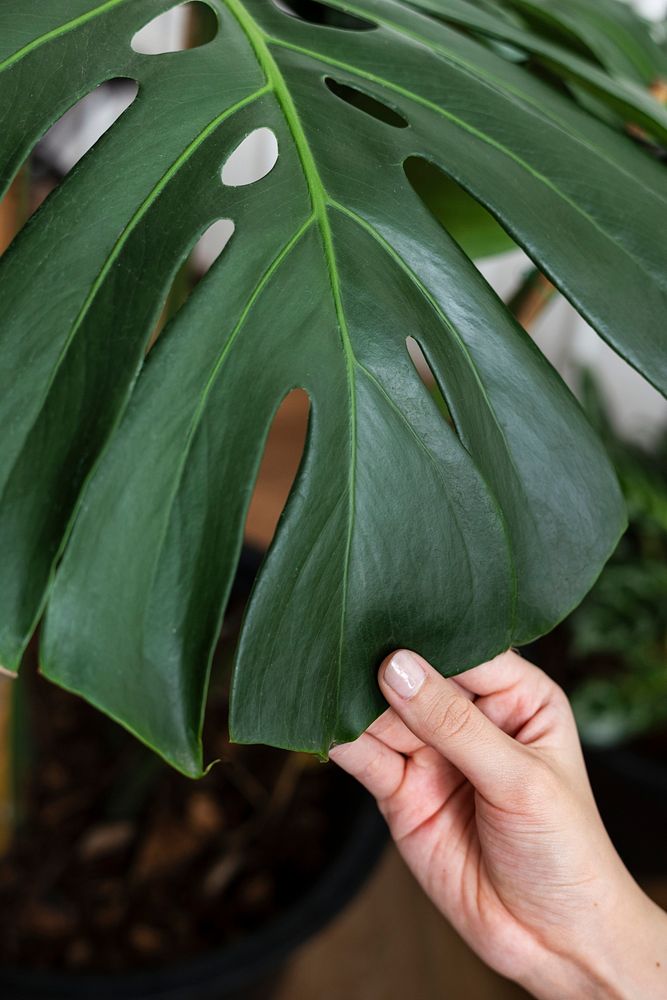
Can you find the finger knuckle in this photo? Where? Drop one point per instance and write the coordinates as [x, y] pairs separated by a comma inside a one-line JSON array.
[[450, 719]]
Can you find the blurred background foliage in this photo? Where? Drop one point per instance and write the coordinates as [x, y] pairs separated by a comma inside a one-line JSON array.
[[623, 621]]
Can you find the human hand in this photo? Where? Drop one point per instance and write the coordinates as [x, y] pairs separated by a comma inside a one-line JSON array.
[[483, 784]]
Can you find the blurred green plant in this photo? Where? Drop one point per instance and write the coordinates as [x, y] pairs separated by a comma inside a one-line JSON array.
[[624, 617]]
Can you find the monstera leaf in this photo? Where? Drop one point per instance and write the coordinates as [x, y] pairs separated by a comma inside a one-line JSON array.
[[124, 482], [620, 91], [611, 31]]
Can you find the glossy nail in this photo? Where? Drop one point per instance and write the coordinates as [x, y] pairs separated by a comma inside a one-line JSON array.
[[404, 674]]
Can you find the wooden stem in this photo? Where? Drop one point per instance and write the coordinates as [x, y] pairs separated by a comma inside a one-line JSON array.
[[658, 90], [534, 293], [13, 209]]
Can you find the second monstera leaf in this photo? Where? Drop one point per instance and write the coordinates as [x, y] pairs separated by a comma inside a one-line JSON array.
[[400, 529]]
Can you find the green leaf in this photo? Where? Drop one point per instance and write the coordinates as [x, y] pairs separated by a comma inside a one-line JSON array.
[[399, 529], [610, 30], [626, 96]]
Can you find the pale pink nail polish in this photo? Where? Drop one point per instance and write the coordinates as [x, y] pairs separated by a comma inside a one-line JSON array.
[[404, 674]]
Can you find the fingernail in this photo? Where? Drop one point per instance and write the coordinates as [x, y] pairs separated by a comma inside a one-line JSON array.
[[404, 674]]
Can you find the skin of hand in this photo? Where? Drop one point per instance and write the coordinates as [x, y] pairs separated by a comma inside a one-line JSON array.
[[483, 784]]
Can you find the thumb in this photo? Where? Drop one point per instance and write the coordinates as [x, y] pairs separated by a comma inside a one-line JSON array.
[[437, 711]]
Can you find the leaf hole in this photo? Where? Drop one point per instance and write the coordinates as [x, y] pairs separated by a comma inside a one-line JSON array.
[[426, 375], [321, 13], [65, 143], [364, 102], [187, 26], [278, 469], [191, 271], [254, 158], [209, 246], [466, 220], [80, 128]]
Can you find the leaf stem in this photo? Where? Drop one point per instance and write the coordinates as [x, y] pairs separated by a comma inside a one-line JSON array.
[[531, 298], [14, 208]]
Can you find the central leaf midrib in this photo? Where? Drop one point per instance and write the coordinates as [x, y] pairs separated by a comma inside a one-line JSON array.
[[258, 39]]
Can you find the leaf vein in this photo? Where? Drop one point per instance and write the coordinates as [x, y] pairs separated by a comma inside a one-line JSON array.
[[483, 137], [258, 40], [62, 29]]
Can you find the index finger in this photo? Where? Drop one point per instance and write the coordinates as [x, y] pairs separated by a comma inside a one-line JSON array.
[[502, 673], [520, 698]]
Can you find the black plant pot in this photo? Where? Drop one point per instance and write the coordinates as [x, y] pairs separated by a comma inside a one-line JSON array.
[[246, 971], [250, 968], [630, 787]]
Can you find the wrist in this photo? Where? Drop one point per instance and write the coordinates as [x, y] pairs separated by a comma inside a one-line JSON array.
[[619, 954], [632, 961]]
